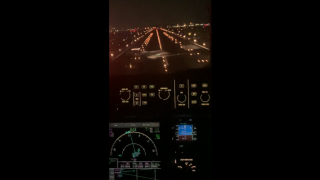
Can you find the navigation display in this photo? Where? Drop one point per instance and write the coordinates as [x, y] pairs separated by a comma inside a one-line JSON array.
[[134, 150]]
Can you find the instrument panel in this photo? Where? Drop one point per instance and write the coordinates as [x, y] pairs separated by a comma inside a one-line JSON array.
[[160, 126], [165, 147], [163, 95], [179, 94]]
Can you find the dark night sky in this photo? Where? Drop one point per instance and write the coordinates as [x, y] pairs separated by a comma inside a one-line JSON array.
[[141, 13]]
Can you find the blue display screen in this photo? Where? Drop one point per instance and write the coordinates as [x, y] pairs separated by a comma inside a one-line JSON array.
[[185, 130]]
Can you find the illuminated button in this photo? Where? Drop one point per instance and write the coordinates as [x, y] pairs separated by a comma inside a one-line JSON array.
[[151, 94], [193, 85], [181, 85], [151, 86], [204, 85], [193, 101], [144, 94], [137, 99], [136, 95], [143, 86], [136, 87], [193, 93], [136, 103], [144, 102]]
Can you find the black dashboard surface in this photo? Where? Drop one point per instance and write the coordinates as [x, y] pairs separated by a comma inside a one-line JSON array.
[[171, 101]]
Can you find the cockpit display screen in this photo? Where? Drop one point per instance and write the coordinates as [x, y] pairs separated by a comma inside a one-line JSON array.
[[186, 133], [185, 130], [134, 150]]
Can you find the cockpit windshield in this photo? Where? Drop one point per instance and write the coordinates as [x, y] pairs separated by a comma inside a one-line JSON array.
[[158, 37]]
